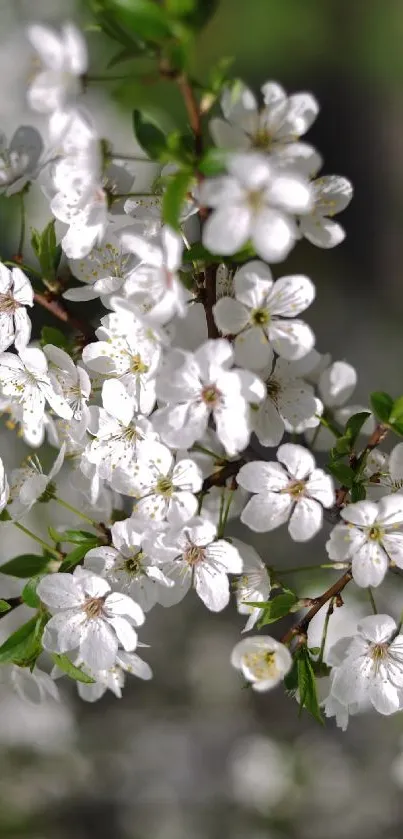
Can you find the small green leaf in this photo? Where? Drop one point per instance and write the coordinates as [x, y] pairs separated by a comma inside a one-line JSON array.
[[398, 428], [24, 566], [354, 425], [381, 404], [342, 446], [151, 139], [277, 608], [195, 13], [24, 645], [29, 594], [358, 492], [5, 515], [396, 414], [342, 472], [127, 54], [51, 335], [64, 663], [54, 534], [47, 251], [147, 20], [175, 197], [74, 557], [78, 536], [308, 697], [4, 607]]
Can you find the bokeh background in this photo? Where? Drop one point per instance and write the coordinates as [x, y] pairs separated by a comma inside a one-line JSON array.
[[192, 755]]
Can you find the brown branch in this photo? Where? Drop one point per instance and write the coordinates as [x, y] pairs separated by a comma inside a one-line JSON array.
[[335, 590], [49, 302], [193, 111]]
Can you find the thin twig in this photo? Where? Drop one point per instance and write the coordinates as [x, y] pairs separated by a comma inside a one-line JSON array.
[[47, 301], [301, 627]]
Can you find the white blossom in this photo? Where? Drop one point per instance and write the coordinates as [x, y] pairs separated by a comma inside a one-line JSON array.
[[71, 382], [372, 667], [263, 661], [29, 484], [331, 195], [127, 566], [292, 489], [88, 616], [4, 487], [290, 404], [64, 60], [262, 315], [24, 377], [253, 586], [198, 385], [104, 271], [256, 202], [156, 280], [370, 536], [336, 384], [117, 429], [163, 489], [114, 678], [32, 686], [19, 159], [275, 128], [15, 294], [194, 556]]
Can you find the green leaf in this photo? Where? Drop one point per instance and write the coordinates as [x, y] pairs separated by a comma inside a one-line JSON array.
[[396, 414], [381, 405], [198, 252], [151, 139], [4, 607], [51, 335], [29, 594], [64, 663], [175, 197], [342, 472], [5, 515], [196, 13], [308, 697], [354, 425], [144, 18], [358, 492], [74, 557], [48, 252], [128, 53], [278, 607], [341, 447], [26, 565], [78, 536], [24, 645], [213, 162], [398, 428]]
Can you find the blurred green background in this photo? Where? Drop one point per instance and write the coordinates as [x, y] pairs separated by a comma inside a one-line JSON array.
[[192, 755]]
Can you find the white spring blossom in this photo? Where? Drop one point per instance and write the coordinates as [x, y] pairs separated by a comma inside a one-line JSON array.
[[16, 293], [370, 536], [262, 316], [262, 660], [293, 490]]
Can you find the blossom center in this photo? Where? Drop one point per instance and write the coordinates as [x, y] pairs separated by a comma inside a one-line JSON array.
[[8, 303], [255, 199], [273, 388], [262, 139], [296, 489], [375, 533], [260, 317], [194, 555], [164, 486], [261, 664], [210, 395], [93, 607], [137, 364], [133, 565]]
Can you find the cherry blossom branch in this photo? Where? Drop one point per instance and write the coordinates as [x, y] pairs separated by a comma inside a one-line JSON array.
[[335, 590], [220, 477]]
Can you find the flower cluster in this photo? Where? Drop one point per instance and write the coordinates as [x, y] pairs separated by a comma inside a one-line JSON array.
[[199, 359]]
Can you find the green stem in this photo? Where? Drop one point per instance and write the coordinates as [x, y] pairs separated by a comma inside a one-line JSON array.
[[328, 423], [38, 539], [329, 613], [133, 157], [74, 510], [372, 600]]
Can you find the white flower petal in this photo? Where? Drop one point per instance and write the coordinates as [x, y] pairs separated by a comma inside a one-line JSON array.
[[266, 512], [306, 520], [298, 460]]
